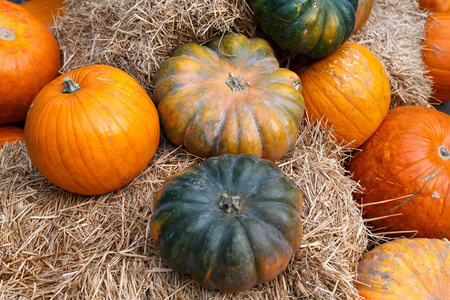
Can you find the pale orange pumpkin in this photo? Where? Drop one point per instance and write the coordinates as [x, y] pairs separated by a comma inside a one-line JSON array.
[[29, 59], [10, 134], [44, 10], [406, 269], [92, 130], [362, 13], [436, 54], [435, 5], [348, 89]]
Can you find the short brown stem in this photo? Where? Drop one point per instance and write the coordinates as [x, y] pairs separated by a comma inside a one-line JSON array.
[[6, 34], [444, 153], [236, 83], [229, 203], [70, 86]]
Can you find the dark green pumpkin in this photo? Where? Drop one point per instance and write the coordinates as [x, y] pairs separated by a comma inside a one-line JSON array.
[[312, 28], [232, 222]]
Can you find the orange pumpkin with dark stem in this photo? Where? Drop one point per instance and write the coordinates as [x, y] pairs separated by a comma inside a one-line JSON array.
[[44, 10], [435, 5], [404, 169], [348, 89], [406, 269], [10, 134], [92, 130], [436, 54], [362, 13], [29, 59]]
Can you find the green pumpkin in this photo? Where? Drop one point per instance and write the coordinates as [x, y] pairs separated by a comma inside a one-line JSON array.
[[232, 222], [312, 28]]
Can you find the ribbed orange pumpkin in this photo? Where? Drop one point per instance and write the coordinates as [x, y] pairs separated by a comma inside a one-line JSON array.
[[350, 89], [404, 169], [44, 10], [29, 59], [10, 134], [435, 5], [406, 269], [362, 13], [436, 54], [93, 138]]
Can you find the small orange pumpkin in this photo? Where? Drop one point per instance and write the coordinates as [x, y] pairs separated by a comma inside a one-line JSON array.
[[404, 169], [362, 13], [406, 269], [92, 130], [436, 54], [11, 133], [29, 59], [44, 10], [435, 5], [348, 89]]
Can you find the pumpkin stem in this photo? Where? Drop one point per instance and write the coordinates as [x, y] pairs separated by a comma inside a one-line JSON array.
[[70, 86], [6, 34], [236, 83], [444, 153], [229, 203]]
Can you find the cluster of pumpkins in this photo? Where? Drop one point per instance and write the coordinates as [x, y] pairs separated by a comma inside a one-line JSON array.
[[234, 221]]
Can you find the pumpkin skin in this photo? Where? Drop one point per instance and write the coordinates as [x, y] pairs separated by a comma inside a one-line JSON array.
[[362, 13], [311, 28], [96, 139], [435, 5], [30, 58], [436, 54], [348, 89], [407, 159], [11, 133], [406, 269], [44, 10], [232, 222], [230, 97]]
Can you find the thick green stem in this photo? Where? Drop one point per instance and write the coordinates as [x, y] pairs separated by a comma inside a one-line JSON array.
[[229, 203], [236, 83], [444, 153], [6, 34], [70, 86]]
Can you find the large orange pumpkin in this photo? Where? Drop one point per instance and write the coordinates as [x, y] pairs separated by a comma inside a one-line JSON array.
[[362, 13], [229, 97], [436, 54], [348, 89], [29, 59], [406, 269], [92, 130], [404, 169], [435, 5], [11, 133], [44, 10]]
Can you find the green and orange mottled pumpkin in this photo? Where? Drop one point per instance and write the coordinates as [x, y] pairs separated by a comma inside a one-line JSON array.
[[232, 222], [92, 130], [406, 269], [229, 97]]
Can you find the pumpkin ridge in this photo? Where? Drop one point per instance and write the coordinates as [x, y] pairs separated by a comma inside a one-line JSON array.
[[261, 220], [223, 120], [325, 96]]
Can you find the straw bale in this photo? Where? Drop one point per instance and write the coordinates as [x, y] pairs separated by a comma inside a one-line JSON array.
[[394, 32], [58, 244]]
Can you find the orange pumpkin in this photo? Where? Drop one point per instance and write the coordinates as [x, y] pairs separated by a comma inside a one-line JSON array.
[[348, 89], [92, 130], [404, 169], [436, 54], [44, 10], [406, 269], [362, 13], [29, 59], [11, 133], [435, 5]]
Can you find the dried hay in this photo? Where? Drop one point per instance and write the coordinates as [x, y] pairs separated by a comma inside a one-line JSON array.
[[58, 244], [394, 33]]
